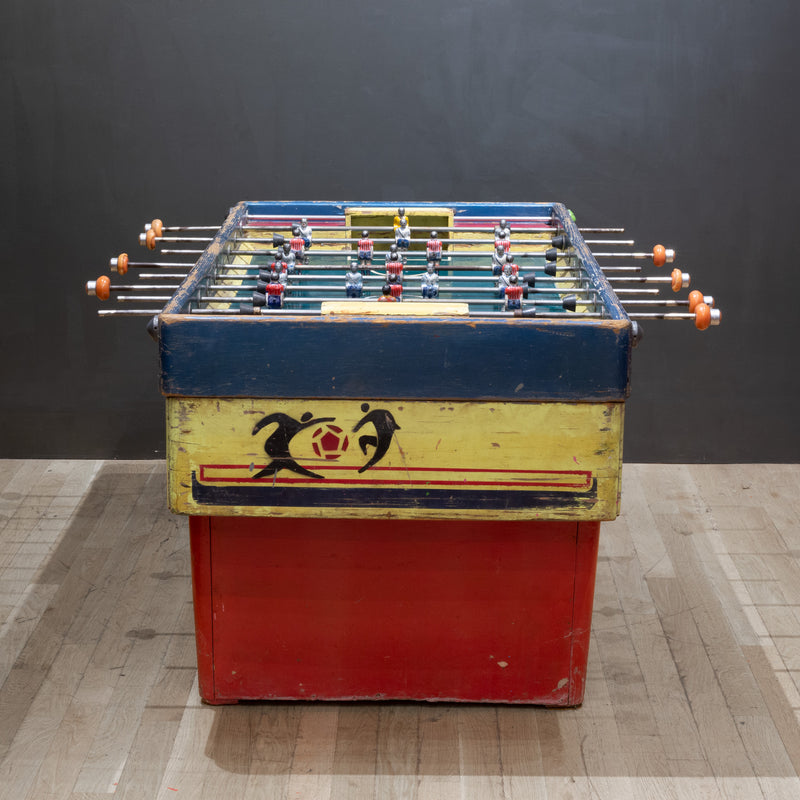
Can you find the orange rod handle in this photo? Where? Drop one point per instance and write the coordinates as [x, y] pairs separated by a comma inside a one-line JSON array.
[[702, 316], [103, 287]]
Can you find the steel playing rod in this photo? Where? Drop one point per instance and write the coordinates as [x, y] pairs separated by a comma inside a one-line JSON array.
[[147, 276], [353, 254], [485, 302], [667, 315], [296, 219], [123, 297], [642, 279], [349, 253], [655, 302], [622, 255], [342, 228], [112, 263], [128, 312], [442, 289], [412, 240]]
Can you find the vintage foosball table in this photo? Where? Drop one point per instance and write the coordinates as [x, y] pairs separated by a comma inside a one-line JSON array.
[[396, 431]]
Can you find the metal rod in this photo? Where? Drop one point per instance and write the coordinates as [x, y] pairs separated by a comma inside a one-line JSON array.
[[642, 279], [657, 302], [413, 240], [128, 312], [442, 289], [339, 299], [353, 254], [159, 264], [146, 298], [668, 315], [161, 275], [623, 255]]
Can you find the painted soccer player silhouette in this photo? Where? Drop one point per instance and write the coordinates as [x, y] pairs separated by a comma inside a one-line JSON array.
[[385, 426], [277, 444]]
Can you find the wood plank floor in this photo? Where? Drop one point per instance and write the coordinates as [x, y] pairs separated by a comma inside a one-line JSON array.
[[694, 670]]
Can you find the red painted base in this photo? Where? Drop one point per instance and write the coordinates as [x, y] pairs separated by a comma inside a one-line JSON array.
[[334, 609]]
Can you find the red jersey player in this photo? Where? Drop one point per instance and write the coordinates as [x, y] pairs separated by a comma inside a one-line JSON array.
[[365, 248], [297, 244], [513, 294], [275, 291], [395, 287], [386, 294], [434, 247]]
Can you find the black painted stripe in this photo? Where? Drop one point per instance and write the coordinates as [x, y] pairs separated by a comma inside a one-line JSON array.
[[288, 496]]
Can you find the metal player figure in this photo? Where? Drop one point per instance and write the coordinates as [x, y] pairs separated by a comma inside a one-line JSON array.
[[434, 247], [386, 294], [509, 267], [306, 233], [513, 294], [430, 281], [498, 260], [394, 265], [503, 282], [365, 248], [511, 270], [277, 268], [289, 258], [277, 265], [502, 235], [401, 212], [353, 281], [395, 286], [275, 290], [297, 244], [402, 235]]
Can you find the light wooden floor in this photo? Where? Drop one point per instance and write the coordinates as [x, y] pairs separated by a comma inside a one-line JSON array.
[[693, 673]]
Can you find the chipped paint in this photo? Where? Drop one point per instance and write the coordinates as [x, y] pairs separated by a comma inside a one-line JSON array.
[[460, 460]]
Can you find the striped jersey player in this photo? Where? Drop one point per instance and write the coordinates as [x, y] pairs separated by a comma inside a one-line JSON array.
[[434, 247], [365, 248], [297, 244]]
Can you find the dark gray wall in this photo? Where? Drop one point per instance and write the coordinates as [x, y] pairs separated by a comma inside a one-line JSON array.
[[674, 118]]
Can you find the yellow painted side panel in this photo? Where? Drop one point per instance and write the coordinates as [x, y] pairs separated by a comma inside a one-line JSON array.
[[394, 459]]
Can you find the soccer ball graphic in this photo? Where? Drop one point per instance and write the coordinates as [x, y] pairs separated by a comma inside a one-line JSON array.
[[329, 441]]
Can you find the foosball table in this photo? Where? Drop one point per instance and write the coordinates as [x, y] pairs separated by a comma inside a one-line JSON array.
[[395, 431]]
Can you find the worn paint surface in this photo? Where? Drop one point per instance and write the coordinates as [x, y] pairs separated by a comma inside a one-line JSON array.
[[371, 458], [336, 609], [571, 359]]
